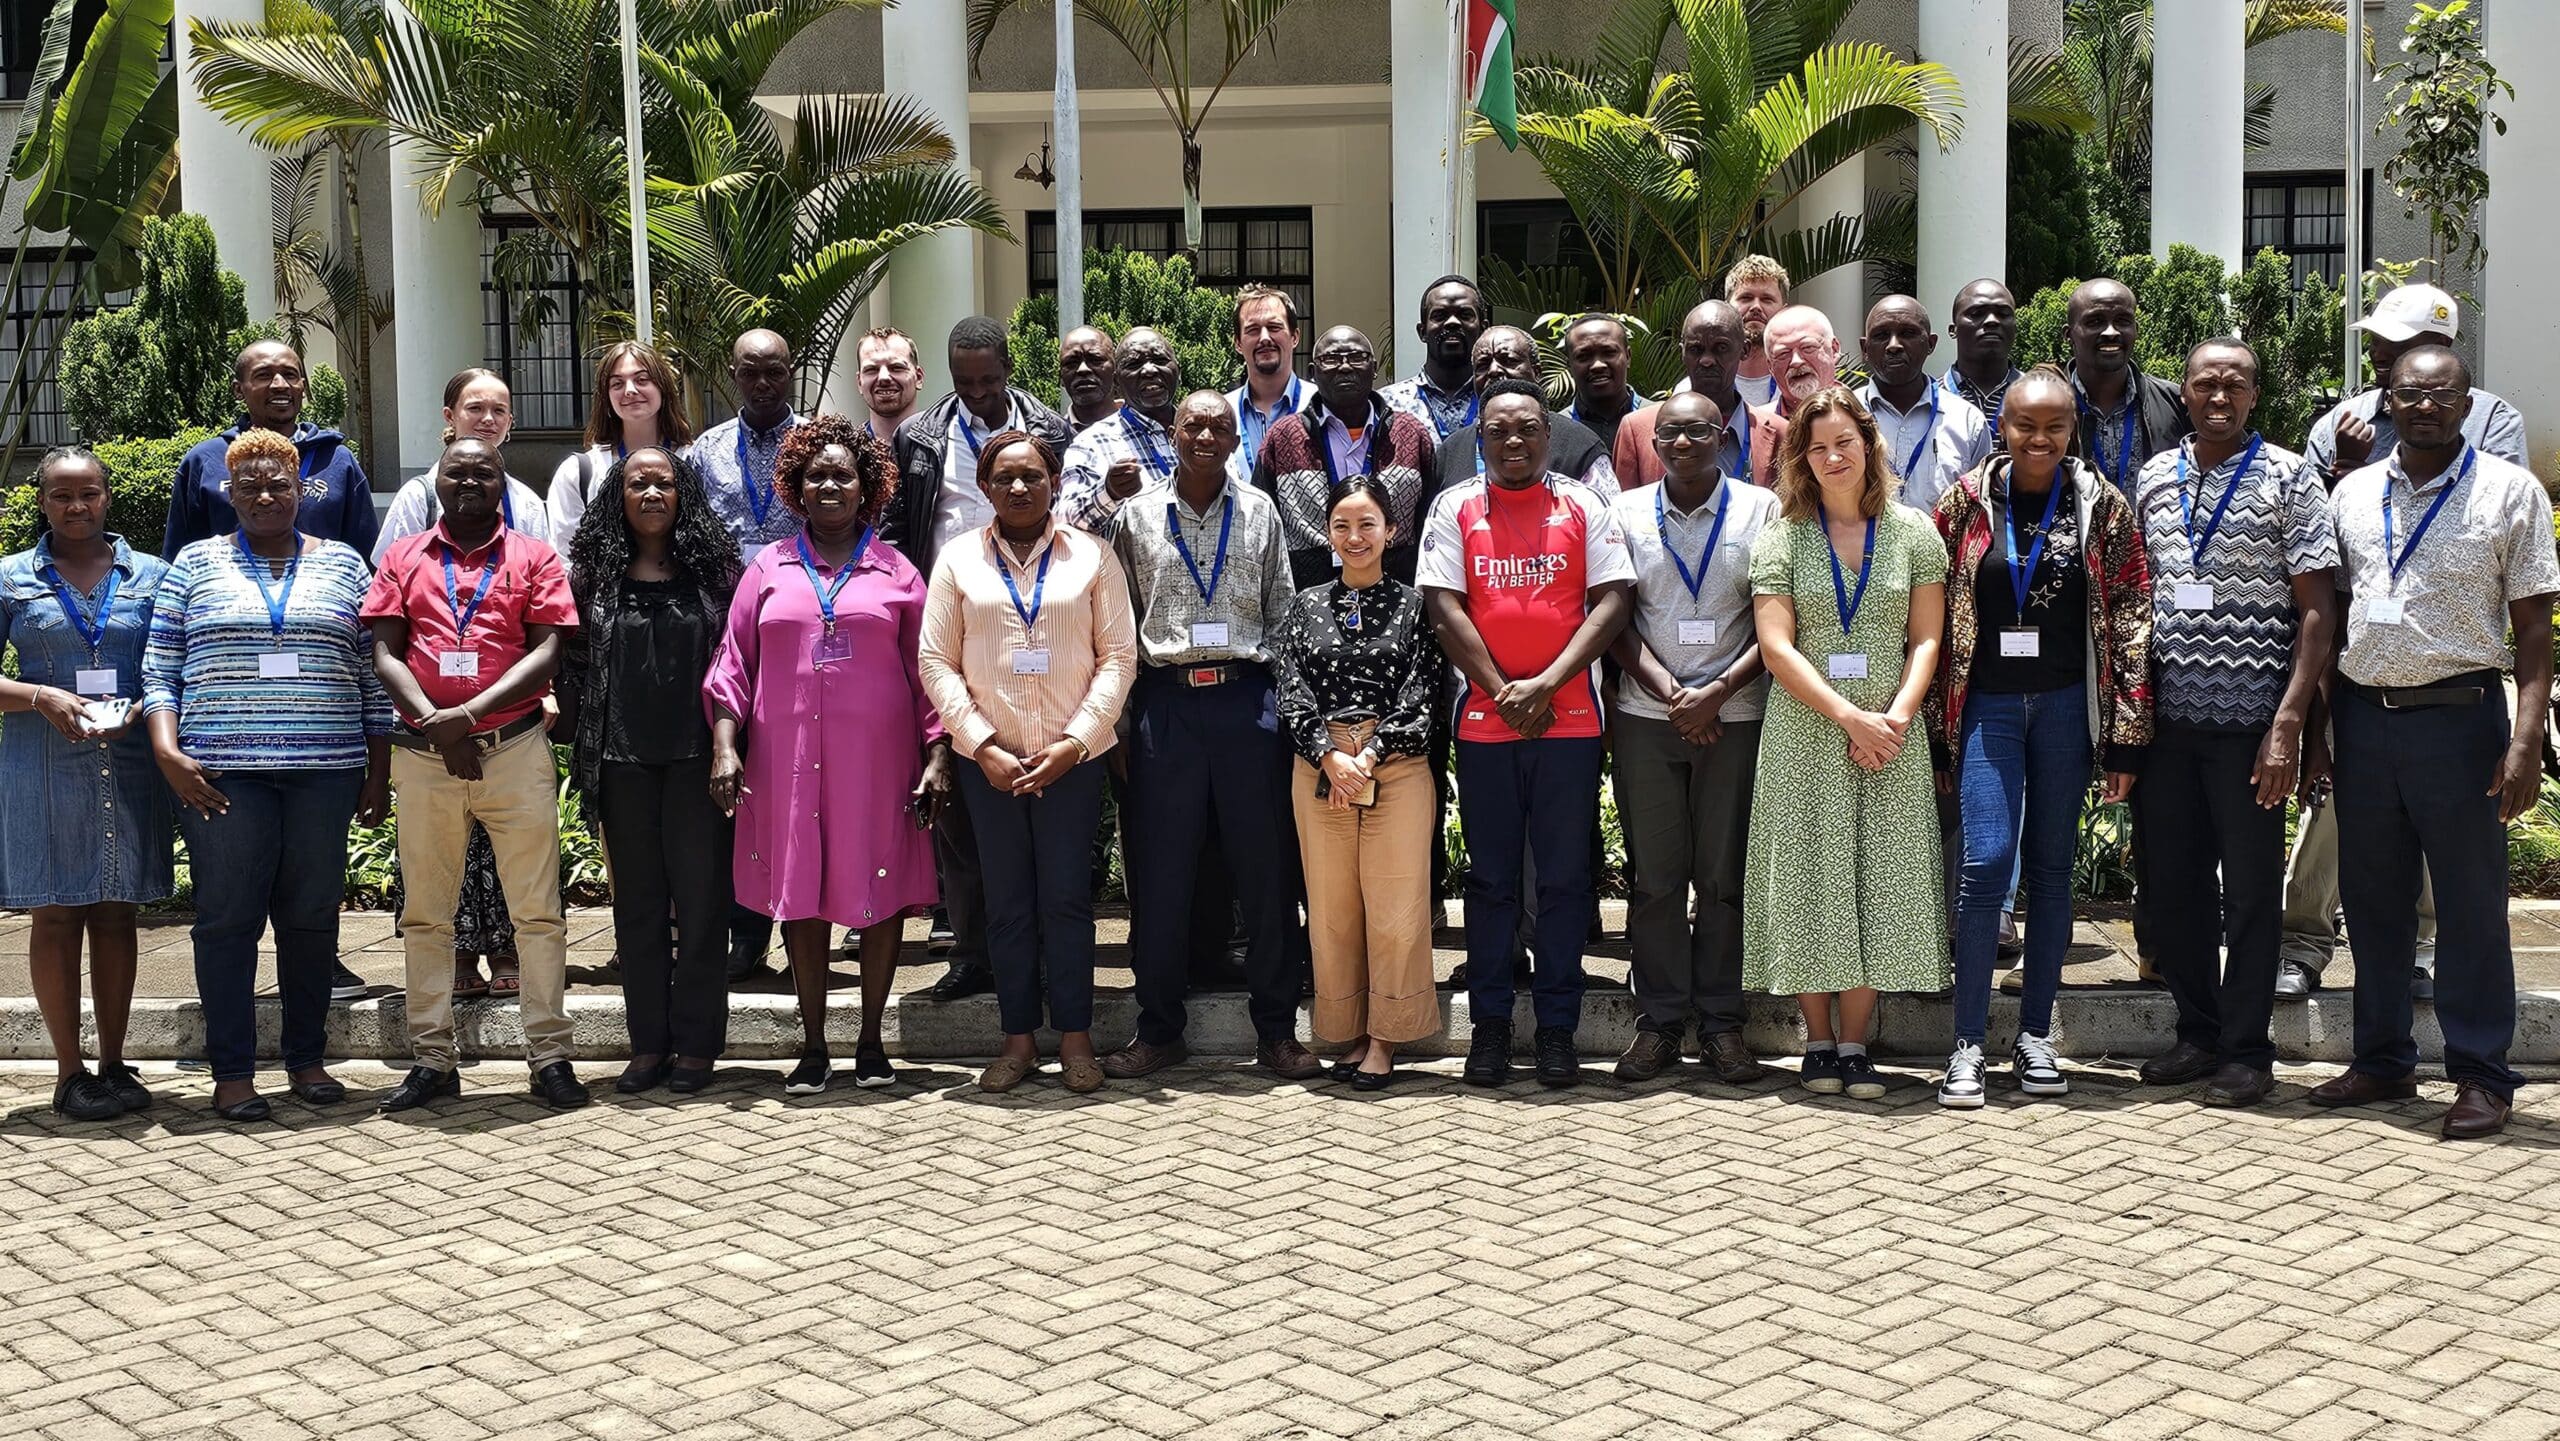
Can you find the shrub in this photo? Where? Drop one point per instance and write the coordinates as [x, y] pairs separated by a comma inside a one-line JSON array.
[[140, 475], [1124, 289]]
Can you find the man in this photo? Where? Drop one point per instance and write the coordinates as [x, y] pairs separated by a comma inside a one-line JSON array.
[[1443, 393], [2349, 436], [1804, 354], [466, 621], [891, 377], [1931, 434], [1757, 287], [1686, 736], [1131, 449], [1345, 429], [2446, 549], [2244, 559], [1209, 573], [1597, 354], [1526, 579], [1711, 346], [1986, 331], [1088, 376], [1267, 338], [938, 500], [1505, 352], [2126, 417], [736, 456]]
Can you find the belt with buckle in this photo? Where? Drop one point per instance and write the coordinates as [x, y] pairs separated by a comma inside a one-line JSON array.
[[2453, 690], [485, 741], [1200, 675]]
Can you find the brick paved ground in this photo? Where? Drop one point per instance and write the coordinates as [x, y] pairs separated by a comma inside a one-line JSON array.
[[1221, 1257]]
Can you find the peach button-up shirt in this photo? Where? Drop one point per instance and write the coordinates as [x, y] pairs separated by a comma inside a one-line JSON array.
[[978, 658]]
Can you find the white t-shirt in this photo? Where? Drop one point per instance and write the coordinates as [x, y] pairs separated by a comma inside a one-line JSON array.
[[569, 492], [962, 508]]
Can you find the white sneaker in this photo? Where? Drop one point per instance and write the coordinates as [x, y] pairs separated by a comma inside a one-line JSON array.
[[2039, 1069], [1962, 1089]]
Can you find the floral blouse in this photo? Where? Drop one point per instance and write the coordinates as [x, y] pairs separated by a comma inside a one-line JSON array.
[[1348, 655]]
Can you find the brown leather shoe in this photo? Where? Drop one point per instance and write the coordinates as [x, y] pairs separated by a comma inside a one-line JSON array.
[[2356, 1088], [1648, 1055], [1288, 1060], [1729, 1058], [1143, 1058], [2477, 1113]]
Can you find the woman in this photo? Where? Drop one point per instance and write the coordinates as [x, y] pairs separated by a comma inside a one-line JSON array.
[[477, 403], [1843, 896], [2049, 564], [1029, 649], [844, 766], [653, 572], [1358, 673], [273, 731], [84, 832], [637, 404]]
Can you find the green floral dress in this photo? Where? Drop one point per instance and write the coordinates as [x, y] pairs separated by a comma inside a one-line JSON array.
[[1842, 887]]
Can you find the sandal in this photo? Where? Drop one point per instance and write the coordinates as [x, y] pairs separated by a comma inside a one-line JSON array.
[[467, 984], [504, 981]]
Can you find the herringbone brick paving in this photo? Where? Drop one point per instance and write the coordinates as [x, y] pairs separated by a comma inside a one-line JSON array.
[[1223, 1257]]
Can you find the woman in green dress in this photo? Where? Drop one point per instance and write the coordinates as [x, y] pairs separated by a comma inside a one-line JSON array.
[[1842, 890]]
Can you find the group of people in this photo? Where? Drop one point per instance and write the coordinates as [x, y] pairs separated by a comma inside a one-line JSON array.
[[1853, 661]]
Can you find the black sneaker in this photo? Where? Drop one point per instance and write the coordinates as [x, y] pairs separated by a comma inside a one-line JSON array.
[[871, 1069], [1859, 1078], [809, 1077], [83, 1097], [1489, 1055], [1558, 1065], [344, 984], [126, 1084], [1820, 1073]]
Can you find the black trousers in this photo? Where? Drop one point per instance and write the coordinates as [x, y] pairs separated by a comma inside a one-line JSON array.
[[1201, 758], [964, 881], [2215, 882], [1040, 921], [671, 849]]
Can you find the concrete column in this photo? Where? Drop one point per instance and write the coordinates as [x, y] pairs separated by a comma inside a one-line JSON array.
[[223, 174], [1840, 292], [2199, 83], [1422, 36], [924, 55], [435, 279], [2523, 213], [1964, 190]]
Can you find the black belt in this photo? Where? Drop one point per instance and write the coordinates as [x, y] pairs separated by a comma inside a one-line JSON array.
[[2467, 689], [1197, 676], [485, 741]]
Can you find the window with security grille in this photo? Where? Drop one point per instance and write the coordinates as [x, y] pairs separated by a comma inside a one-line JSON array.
[[49, 296], [1275, 246], [531, 314], [2304, 218]]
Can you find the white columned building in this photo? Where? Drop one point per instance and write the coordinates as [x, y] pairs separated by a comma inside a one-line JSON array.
[[1964, 190], [1840, 292], [435, 280], [1422, 34], [2200, 95], [2523, 213], [933, 283], [223, 174]]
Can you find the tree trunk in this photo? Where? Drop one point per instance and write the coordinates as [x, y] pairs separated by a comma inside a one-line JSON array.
[[358, 336], [1191, 230]]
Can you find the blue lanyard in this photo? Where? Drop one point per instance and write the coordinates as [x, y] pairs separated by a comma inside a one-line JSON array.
[[1926, 432], [1039, 585], [1475, 403], [1217, 568], [2022, 578], [827, 594], [759, 497], [968, 432], [1742, 438], [462, 614], [2124, 439], [2400, 557], [1706, 558], [1159, 464], [276, 601], [2187, 503], [1848, 600], [95, 635]]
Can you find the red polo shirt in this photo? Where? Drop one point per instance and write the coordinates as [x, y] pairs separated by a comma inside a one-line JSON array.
[[530, 587]]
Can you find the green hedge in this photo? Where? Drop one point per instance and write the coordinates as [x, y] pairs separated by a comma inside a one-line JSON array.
[[140, 475]]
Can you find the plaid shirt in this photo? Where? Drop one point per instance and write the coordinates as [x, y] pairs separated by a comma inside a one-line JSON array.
[[1252, 594], [715, 452], [1084, 499], [1445, 411]]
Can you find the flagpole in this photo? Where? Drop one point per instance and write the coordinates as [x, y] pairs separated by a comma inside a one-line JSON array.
[[643, 295], [1069, 168], [1457, 140]]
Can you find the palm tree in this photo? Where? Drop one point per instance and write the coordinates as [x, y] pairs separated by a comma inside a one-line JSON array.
[[1157, 34]]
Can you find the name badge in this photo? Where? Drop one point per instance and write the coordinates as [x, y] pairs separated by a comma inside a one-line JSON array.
[[2022, 641], [1697, 632], [2192, 595], [1208, 632], [1031, 662], [95, 682], [2383, 610], [279, 665], [1848, 665], [832, 646], [464, 664]]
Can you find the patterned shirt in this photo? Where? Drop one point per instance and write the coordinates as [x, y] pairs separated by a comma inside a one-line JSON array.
[[1177, 625], [1696, 637], [2490, 546], [1445, 411], [210, 625], [1939, 438], [1084, 491], [733, 456], [1989, 399], [1352, 655], [2223, 627]]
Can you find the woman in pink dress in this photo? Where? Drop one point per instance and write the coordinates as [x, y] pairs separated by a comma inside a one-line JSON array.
[[823, 744]]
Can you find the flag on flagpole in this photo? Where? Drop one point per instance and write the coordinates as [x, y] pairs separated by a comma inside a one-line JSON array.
[[1488, 67]]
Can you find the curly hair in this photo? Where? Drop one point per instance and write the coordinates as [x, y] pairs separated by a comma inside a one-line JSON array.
[[1799, 493], [260, 445], [871, 464], [700, 549]]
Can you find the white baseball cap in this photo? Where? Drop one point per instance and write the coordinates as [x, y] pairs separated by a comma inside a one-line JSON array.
[[2413, 310]]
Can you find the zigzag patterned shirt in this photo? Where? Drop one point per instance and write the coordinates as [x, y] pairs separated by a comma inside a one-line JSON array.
[[2225, 667]]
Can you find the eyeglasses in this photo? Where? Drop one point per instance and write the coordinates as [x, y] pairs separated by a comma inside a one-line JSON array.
[[2414, 396], [1701, 431]]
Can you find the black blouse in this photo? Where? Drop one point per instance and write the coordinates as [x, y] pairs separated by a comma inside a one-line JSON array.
[[2057, 598], [659, 650], [1352, 655]]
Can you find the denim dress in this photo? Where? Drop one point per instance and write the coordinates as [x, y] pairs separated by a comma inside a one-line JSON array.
[[90, 821]]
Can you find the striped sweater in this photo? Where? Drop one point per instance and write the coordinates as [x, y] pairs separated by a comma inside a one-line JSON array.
[[1295, 468], [209, 625]]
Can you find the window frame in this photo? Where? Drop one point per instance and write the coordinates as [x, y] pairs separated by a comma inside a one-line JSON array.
[[47, 421], [1040, 242], [2292, 183], [538, 402]]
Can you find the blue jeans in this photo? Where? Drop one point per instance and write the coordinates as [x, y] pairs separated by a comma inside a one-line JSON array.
[[1518, 799], [278, 855], [2022, 770]]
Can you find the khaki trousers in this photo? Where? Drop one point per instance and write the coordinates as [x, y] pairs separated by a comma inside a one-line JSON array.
[[516, 800], [1369, 901]]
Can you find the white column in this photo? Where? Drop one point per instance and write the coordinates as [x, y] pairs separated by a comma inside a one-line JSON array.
[[2523, 214], [1964, 190], [223, 174], [2199, 85], [435, 297], [1421, 34], [924, 55], [1840, 292]]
